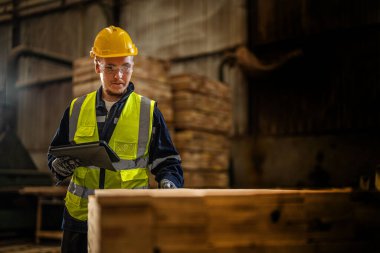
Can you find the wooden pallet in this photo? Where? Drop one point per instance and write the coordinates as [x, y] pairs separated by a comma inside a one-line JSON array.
[[199, 160]]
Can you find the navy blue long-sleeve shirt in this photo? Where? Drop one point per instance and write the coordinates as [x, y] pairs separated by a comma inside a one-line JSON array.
[[161, 147]]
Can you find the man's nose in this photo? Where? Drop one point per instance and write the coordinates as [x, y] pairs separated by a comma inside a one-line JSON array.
[[118, 74]]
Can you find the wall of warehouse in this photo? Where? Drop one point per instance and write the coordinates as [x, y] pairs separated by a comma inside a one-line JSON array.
[[68, 33]]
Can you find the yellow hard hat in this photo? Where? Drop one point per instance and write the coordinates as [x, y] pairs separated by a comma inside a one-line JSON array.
[[113, 42]]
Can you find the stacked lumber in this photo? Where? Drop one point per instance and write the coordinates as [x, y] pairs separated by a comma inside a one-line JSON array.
[[227, 221], [85, 79], [202, 119], [149, 77], [201, 104]]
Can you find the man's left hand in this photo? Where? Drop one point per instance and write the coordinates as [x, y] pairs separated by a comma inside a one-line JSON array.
[[167, 184]]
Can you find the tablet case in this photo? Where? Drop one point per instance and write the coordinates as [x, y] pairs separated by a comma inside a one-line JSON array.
[[97, 154]]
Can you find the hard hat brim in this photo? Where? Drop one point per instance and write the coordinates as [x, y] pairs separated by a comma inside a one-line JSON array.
[[93, 53]]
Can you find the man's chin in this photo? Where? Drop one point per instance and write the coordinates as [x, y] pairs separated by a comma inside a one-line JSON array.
[[115, 93]]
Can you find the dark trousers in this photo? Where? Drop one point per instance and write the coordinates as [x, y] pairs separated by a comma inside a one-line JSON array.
[[74, 242]]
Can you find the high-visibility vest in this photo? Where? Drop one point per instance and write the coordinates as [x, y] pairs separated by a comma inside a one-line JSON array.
[[130, 140]]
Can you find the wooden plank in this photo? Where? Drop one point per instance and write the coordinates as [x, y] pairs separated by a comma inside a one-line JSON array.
[[200, 141], [152, 88], [198, 120], [82, 89], [44, 190], [190, 228], [237, 230], [202, 102], [29, 248], [114, 235], [233, 220], [198, 160], [84, 77], [94, 225], [151, 68], [200, 84], [50, 234]]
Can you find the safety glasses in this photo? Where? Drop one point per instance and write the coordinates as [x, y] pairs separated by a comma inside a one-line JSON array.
[[112, 69]]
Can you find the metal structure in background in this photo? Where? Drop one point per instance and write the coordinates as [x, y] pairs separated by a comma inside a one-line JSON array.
[[16, 10]]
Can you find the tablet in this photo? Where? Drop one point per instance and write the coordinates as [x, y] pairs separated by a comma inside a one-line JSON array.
[[97, 154]]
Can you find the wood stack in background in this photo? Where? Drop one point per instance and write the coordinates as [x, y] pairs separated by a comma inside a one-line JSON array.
[[85, 79], [202, 119], [150, 77]]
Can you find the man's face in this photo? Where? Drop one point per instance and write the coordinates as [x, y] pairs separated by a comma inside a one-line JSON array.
[[115, 74]]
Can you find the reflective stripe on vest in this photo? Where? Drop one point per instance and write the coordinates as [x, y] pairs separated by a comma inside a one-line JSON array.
[[128, 164], [79, 190], [84, 192], [74, 116], [144, 126]]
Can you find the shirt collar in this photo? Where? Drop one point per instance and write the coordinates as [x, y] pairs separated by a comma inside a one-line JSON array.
[[100, 102]]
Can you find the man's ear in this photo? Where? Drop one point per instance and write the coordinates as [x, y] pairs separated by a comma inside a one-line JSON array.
[[97, 66]]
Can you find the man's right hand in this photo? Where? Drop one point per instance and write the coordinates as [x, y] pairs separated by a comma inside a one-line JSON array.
[[65, 166]]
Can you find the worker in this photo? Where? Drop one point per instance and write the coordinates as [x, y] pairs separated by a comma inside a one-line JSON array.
[[131, 124]]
